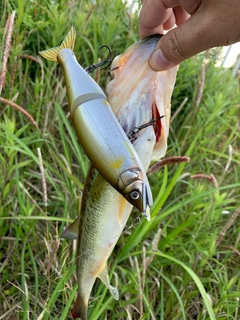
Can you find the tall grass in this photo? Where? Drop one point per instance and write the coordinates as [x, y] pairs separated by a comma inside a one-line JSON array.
[[184, 263]]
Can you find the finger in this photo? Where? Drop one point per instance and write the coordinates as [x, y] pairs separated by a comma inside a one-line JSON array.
[[152, 16], [190, 6], [180, 15], [171, 3], [170, 22]]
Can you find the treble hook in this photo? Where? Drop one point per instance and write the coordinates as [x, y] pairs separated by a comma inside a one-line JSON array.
[[150, 123], [107, 61], [132, 136]]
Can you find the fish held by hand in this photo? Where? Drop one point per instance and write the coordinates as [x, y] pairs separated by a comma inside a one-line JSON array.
[[140, 95]]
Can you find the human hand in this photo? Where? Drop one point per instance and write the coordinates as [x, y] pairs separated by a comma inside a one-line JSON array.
[[201, 25]]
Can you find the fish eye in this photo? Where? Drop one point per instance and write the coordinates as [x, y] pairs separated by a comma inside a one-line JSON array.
[[135, 195]]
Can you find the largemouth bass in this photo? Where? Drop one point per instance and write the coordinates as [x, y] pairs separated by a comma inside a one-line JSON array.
[[139, 102], [99, 133]]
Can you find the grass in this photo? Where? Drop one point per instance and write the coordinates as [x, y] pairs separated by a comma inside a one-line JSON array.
[[184, 264]]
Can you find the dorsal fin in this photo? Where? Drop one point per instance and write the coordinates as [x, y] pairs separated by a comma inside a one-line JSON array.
[[72, 231]]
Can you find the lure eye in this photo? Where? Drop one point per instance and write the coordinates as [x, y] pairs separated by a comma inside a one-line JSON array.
[[134, 195]]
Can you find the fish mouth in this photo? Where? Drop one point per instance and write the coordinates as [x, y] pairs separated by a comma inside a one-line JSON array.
[[122, 59]]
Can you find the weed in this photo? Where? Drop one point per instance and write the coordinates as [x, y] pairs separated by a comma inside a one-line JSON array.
[[191, 270]]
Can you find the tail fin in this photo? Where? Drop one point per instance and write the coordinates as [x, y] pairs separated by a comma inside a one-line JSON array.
[[68, 42], [80, 309]]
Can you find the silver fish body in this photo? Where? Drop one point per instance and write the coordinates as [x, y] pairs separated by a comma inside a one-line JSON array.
[[99, 133]]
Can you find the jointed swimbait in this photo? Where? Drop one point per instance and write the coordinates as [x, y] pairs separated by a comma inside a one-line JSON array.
[[98, 130]]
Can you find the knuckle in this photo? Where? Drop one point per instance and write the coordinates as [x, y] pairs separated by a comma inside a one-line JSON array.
[[177, 49]]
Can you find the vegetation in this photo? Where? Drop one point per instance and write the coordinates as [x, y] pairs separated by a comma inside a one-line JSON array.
[[184, 263]]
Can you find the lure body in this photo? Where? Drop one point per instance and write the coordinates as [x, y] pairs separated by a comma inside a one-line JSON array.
[[100, 134], [104, 212]]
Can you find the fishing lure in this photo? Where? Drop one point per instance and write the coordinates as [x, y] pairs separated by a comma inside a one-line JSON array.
[[105, 62], [99, 133]]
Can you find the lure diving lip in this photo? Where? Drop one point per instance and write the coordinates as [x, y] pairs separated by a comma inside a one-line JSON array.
[[99, 132]]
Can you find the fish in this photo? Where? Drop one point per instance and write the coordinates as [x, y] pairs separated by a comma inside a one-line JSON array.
[[104, 212], [139, 95], [99, 133]]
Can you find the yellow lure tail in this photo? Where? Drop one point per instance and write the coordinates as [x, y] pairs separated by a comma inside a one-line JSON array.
[[68, 42]]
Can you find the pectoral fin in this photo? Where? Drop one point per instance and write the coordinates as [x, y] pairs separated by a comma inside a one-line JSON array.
[[103, 275], [72, 231]]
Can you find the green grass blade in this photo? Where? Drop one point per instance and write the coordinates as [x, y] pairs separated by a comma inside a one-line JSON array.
[[195, 279]]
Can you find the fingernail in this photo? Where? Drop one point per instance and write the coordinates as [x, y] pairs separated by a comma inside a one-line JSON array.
[[158, 61]]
